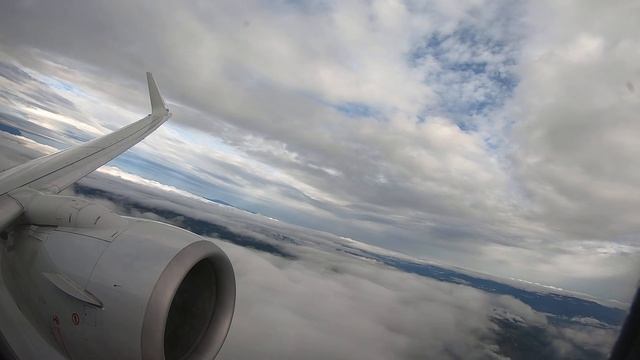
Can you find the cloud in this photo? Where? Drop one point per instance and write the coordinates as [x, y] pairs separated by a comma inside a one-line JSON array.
[[338, 309], [479, 133], [299, 297], [323, 303], [575, 139]]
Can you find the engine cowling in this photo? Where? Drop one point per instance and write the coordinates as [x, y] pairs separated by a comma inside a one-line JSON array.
[[112, 287]]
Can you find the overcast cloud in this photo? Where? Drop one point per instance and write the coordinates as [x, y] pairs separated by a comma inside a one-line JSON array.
[[494, 135], [325, 303], [309, 295]]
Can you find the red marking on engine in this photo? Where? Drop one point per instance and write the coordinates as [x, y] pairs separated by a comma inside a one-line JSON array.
[[75, 318], [57, 334]]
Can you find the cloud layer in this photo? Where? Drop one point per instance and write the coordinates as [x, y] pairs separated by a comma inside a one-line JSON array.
[[301, 295], [318, 302], [488, 134]]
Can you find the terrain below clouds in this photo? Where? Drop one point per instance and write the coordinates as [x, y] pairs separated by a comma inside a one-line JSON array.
[[310, 294]]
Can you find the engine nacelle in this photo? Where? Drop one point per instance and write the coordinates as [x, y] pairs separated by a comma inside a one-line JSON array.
[[112, 287]]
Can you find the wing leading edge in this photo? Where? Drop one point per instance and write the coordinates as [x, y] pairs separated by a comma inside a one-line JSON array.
[[53, 173]]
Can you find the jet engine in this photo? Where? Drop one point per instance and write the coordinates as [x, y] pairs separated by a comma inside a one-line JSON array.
[[97, 285]]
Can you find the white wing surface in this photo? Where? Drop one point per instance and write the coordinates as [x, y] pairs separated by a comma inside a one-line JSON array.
[[53, 173]]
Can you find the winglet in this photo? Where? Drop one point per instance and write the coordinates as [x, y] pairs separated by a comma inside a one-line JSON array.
[[157, 104]]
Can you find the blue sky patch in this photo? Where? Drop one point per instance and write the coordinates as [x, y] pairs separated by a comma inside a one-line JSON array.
[[356, 109], [471, 70]]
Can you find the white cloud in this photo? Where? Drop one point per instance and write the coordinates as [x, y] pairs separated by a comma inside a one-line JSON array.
[[338, 309], [478, 127], [325, 303]]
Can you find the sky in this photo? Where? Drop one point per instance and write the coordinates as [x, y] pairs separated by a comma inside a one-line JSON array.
[[498, 136], [314, 295], [320, 303]]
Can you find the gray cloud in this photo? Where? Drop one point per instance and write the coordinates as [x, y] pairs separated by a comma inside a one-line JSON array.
[[14, 73], [575, 143], [324, 303], [506, 138], [310, 310], [328, 304]]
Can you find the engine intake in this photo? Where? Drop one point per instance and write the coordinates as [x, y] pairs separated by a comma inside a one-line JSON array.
[[186, 308], [126, 289]]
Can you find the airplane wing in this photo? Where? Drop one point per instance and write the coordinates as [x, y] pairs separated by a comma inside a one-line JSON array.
[[79, 281], [53, 173]]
